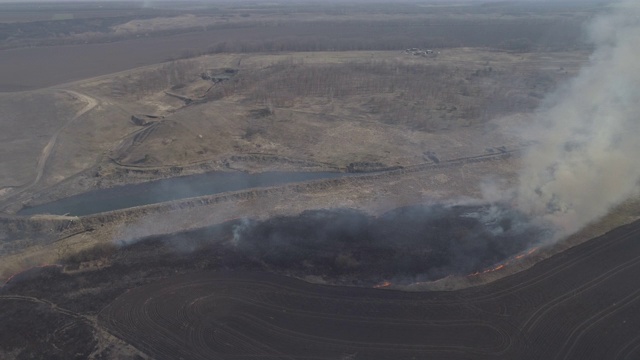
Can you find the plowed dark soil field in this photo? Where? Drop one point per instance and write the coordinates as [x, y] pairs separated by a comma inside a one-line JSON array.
[[580, 304]]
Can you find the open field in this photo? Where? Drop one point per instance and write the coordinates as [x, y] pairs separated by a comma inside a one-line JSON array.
[[579, 304], [532, 315], [48, 66], [330, 111], [539, 313], [31, 24], [461, 103], [118, 36], [29, 120]]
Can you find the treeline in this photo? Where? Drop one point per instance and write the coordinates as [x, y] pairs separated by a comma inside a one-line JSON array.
[[292, 79], [171, 74]]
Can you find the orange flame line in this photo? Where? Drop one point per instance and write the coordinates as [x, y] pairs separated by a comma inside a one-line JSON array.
[[505, 263], [29, 269], [383, 284]]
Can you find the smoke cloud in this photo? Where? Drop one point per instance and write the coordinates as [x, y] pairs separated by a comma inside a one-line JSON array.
[[587, 155], [405, 245]]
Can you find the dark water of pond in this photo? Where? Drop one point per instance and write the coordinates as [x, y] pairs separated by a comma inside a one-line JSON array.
[[126, 196]]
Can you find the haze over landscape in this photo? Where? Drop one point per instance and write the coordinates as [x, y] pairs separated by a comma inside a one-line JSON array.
[[319, 179], [584, 161]]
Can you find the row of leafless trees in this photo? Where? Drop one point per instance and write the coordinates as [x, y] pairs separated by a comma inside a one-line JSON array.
[[285, 80], [172, 74], [425, 96]]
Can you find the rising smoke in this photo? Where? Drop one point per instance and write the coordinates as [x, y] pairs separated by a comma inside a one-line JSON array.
[[587, 156], [405, 245], [586, 159]]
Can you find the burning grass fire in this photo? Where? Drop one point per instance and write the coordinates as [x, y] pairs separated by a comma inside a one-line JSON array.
[[403, 246]]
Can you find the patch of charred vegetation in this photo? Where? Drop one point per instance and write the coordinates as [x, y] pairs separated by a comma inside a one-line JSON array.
[[101, 251], [89, 279], [418, 243], [26, 332], [18, 233], [340, 246]]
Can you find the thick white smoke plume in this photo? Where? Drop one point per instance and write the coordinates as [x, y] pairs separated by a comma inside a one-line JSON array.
[[587, 158]]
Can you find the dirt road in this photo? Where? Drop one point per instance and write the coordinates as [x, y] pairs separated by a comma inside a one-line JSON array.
[[47, 150]]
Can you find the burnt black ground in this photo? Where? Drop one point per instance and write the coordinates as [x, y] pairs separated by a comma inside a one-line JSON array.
[[405, 245], [580, 304], [194, 295], [27, 323]]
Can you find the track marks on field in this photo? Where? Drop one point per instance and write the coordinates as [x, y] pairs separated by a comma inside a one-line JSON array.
[[581, 304]]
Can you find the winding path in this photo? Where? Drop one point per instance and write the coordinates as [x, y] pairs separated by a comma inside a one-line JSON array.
[[48, 148], [46, 152]]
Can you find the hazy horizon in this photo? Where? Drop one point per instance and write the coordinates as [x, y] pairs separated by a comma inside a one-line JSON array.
[[309, 1]]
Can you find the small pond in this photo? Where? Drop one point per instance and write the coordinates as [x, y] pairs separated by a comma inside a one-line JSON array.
[[126, 196]]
